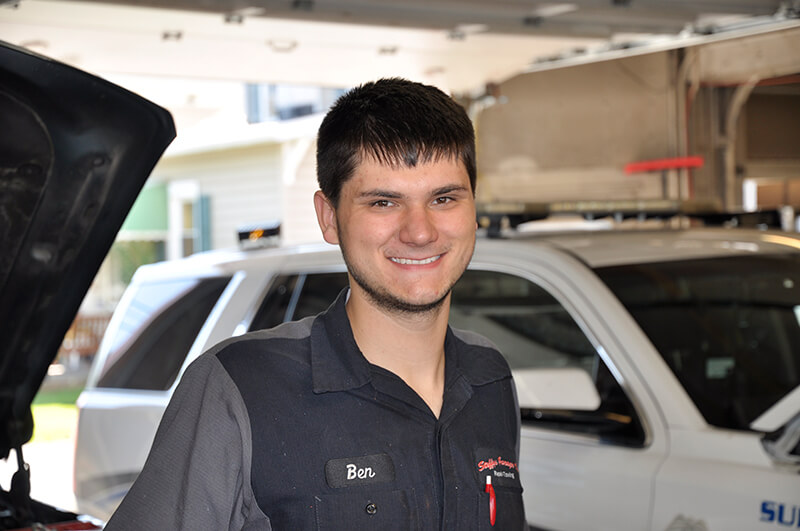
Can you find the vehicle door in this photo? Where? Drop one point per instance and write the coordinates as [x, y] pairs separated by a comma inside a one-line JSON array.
[[581, 469]]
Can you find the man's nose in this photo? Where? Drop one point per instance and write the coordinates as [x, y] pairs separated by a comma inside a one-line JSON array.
[[418, 226]]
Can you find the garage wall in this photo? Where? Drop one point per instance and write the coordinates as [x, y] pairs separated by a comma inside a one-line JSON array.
[[770, 154], [744, 117], [567, 133]]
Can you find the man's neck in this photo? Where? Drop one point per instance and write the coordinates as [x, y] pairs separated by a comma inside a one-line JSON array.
[[409, 345]]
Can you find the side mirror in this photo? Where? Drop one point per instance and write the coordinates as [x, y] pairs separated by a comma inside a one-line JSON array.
[[562, 388]]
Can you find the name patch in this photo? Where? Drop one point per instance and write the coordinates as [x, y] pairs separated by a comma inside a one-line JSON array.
[[362, 470]]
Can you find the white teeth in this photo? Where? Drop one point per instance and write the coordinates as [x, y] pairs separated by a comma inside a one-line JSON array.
[[407, 261]]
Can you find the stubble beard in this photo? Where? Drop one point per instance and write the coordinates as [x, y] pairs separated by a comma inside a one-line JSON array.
[[391, 303], [386, 301]]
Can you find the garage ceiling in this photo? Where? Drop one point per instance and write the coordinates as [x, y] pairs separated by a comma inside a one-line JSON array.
[[578, 18], [459, 45]]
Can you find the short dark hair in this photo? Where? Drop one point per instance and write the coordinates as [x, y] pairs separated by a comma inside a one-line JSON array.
[[396, 122]]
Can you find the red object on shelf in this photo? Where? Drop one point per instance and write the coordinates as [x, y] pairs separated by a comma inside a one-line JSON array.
[[674, 163]]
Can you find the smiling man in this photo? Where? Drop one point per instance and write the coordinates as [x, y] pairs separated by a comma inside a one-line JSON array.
[[374, 414]]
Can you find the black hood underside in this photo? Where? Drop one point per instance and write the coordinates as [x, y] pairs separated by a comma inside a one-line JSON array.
[[75, 151]]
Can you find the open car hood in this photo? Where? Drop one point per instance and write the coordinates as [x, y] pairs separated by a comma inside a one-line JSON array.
[[75, 151]]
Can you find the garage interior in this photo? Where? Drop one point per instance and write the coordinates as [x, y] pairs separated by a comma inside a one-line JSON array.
[[565, 96]]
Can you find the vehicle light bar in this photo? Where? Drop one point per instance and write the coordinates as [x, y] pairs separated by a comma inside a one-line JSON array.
[[259, 235]]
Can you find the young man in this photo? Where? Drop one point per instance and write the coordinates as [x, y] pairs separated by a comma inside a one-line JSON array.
[[374, 414]]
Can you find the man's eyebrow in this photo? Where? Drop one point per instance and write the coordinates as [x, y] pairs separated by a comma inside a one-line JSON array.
[[391, 194], [449, 189], [380, 193]]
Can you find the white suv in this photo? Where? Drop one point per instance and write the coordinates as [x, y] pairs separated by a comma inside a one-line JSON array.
[[688, 343]]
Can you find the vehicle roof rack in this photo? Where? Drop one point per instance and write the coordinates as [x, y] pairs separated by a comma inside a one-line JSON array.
[[495, 217]]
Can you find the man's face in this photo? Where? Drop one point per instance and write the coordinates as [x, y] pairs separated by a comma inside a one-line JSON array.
[[407, 234]]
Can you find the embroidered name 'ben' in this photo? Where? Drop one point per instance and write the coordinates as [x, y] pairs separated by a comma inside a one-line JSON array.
[[362, 470], [353, 472]]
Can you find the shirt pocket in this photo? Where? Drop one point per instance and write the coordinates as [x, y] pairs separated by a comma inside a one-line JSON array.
[[509, 512], [383, 510]]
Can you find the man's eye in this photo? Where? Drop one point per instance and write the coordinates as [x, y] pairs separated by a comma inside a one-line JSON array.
[[442, 200], [382, 203]]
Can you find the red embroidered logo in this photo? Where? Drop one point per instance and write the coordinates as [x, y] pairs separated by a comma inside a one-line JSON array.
[[492, 463]]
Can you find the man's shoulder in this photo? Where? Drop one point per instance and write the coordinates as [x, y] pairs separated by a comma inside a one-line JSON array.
[[474, 339], [479, 358], [287, 343]]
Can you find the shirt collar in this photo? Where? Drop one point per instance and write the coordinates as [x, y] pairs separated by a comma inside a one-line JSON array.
[[336, 361], [337, 364]]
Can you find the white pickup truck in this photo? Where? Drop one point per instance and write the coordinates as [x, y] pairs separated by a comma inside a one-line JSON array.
[[657, 371]]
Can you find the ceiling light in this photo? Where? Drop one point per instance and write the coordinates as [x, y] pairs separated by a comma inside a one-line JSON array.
[[471, 29], [282, 46], [387, 50], [460, 32], [553, 10], [251, 11], [237, 16]]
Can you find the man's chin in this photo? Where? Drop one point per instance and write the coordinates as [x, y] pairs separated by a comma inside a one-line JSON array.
[[417, 306]]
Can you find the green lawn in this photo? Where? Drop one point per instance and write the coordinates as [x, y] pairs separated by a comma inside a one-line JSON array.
[[55, 415]]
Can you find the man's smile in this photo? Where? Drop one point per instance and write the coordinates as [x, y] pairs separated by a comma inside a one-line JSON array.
[[409, 261]]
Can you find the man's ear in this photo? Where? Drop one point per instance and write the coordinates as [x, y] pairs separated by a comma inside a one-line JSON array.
[[326, 217]]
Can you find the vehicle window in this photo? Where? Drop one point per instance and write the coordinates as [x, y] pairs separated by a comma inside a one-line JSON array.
[[292, 297], [728, 328], [533, 330], [157, 329], [318, 292], [272, 311]]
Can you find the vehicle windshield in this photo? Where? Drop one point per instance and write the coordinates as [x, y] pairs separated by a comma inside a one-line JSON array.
[[729, 328]]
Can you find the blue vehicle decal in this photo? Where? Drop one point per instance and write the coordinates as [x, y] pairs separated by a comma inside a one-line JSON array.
[[781, 513]]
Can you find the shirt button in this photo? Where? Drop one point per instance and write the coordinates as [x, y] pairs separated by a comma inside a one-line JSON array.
[[371, 509]]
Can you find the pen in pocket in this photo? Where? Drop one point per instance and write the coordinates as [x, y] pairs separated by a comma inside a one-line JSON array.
[[492, 500]]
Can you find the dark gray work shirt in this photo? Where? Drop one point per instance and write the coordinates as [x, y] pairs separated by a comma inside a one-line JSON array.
[[293, 429]]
